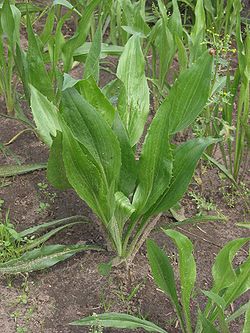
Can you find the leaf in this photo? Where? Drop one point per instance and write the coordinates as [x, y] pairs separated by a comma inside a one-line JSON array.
[[186, 157], [246, 327], [13, 170], [38, 75], [45, 115], [207, 326], [128, 172], [95, 97], [42, 239], [43, 257], [85, 176], [221, 167], [66, 4], [56, 172], [162, 272], [106, 49], [80, 35], [223, 272], [239, 312], [48, 27], [91, 154], [155, 164], [92, 62], [47, 225], [10, 21], [187, 270], [189, 94], [175, 24], [92, 131], [131, 71], [217, 299], [118, 320], [123, 210]]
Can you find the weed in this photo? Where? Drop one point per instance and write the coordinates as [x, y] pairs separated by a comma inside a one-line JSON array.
[[46, 197]]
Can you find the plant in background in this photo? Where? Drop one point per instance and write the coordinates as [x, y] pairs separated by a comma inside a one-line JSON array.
[[94, 144], [10, 18], [229, 284]]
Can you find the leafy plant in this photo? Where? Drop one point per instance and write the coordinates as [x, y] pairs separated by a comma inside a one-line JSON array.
[[229, 284], [25, 251], [94, 145]]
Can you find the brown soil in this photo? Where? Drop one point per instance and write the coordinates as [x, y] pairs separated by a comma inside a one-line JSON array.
[[47, 301]]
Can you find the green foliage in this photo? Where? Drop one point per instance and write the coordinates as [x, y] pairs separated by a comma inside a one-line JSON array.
[[96, 154], [228, 285], [24, 251]]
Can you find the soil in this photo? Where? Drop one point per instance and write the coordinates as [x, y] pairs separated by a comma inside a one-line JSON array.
[[47, 301]]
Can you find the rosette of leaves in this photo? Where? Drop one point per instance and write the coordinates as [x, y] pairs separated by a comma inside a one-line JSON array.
[[94, 142]]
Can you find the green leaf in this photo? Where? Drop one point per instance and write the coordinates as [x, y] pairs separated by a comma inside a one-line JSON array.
[[92, 131], [10, 21], [223, 273], [186, 157], [128, 172], [162, 272], [198, 31], [43, 257], [246, 327], [155, 164], [45, 115], [13, 170], [91, 154], [95, 97], [92, 62], [123, 210], [80, 35], [66, 4], [187, 270], [56, 172], [175, 24], [239, 312], [47, 225], [189, 94], [217, 299], [207, 326], [38, 75], [131, 71], [118, 320]]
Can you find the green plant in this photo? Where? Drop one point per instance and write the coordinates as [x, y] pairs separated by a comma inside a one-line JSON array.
[[24, 251], [94, 145], [10, 18], [229, 284]]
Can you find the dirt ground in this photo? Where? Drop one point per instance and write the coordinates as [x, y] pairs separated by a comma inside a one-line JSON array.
[[47, 301]]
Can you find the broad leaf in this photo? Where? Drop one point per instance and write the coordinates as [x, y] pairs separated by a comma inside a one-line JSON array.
[[95, 97], [118, 320], [186, 157], [92, 131], [187, 270], [131, 71], [155, 164], [56, 172], [128, 172], [162, 272], [189, 94], [45, 115], [223, 273]]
